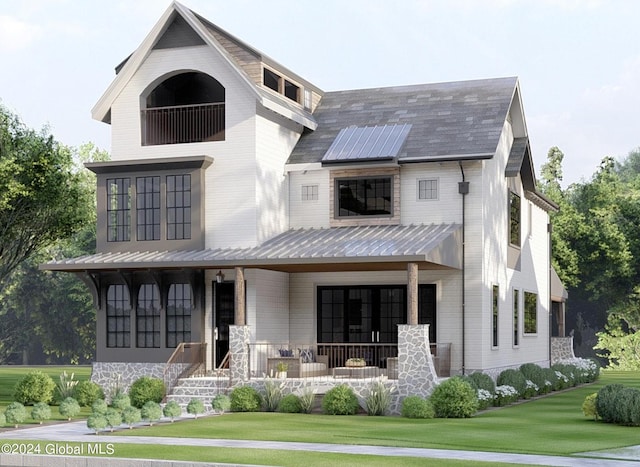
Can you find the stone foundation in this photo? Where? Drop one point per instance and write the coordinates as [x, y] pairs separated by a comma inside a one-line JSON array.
[[110, 375], [416, 373], [561, 349]]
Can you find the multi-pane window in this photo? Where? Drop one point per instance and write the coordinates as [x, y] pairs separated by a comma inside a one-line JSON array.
[[148, 316], [364, 197], [118, 316], [494, 315], [309, 192], [514, 219], [530, 313], [516, 316], [178, 207], [118, 209], [148, 208], [428, 189], [179, 307]]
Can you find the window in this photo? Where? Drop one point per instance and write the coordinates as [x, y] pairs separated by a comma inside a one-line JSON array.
[[530, 313], [179, 314], [271, 80], [148, 208], [428, 189], [308, 99], [516, 316], [309, 192], [283, 86], [364, 197], [514, 219], [178, 207], [494, 315], [118, 316], [291, 91], [118, 209], [148, 316]]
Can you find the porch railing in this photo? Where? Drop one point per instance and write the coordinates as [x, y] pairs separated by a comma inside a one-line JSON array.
[[183, 124], [187, 358]]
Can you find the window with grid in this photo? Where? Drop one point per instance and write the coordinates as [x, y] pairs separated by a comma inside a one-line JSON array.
[[118, 209], [179, 307], [148, 208], [309, 192], [427, 189], [118, 316], [516, 316], [494, 315], [530, 313], [364, 197], [148, 316], [515, 223], [178, 207]]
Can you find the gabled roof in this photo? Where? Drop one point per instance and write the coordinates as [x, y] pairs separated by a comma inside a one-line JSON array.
[[450, 121], [200, 30]]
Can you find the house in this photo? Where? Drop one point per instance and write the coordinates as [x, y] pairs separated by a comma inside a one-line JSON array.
[[247, 216]]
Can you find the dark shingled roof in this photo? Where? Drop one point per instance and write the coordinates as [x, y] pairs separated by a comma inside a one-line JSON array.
[[457, 120]]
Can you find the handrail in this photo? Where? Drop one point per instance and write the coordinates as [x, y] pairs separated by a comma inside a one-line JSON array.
[[183, 361], [183, 124]]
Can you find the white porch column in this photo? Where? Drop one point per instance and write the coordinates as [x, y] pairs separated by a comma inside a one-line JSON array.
[[241, 315], [412, 293]]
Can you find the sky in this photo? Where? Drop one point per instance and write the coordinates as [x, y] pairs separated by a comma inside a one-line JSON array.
[[578, 61]]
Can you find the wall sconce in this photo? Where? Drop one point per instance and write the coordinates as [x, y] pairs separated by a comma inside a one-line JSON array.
[[219, 277]]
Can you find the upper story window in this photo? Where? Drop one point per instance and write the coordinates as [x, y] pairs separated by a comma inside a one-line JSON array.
[[178, 207], [515, 223], [364, 196], [118, 209], [281, 85], [309, 192], [185, 108], [428, 189], [148, 208]]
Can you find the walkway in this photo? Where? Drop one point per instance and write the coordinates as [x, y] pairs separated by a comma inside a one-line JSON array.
[[78, 432]]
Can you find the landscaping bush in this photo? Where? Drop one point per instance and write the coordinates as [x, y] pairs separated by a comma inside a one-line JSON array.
[[378, 400], [113, 418], [569, 372], [551, 379], [515, 379], [100, 406], [69, 408], [65, 387], [606, 400], [340, 400], [307, 399], [151, 411], [482, 381], [536, 375], [195, 407], [290, 404], [15, 414], [245, 399], [485, 399], [221, 403], [97, 422], [131, 415], [146, 389], [34, 387], [41, 412], [625, 408], [454, 398], [172, 410], [272, 394], [589, 406], [584, 370], [3, 419], [87, 392], [416, 407], [121, 401], [505, 395]]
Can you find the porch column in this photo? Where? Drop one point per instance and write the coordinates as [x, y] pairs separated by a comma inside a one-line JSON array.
[[412, 293], [241, 315], [239, 348], [416, 373]]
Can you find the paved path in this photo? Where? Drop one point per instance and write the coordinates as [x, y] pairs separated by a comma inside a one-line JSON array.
[[78, 432]]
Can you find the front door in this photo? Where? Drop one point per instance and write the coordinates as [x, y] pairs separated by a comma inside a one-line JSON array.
[[224, 315]]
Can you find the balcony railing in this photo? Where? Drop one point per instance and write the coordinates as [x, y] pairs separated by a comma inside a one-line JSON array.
[[183, 124]]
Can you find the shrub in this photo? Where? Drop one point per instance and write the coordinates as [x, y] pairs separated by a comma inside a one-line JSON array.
[[97, 422], [245, 399], [113, 418], [15, 414], [272, 394], [87, 392], [483, 381], [505, 395], [121, 401], [172, 410], [515, 379], [536, 375], [100, 406], [195, 407], [584, 370], [454, 398], [485, 399], [378, 400], [569, 372], [605, 402], [550, 380], [340, 400], [589, 406], [34, 387], [146, 389], [3, 419], [416, 407], [131, 415], [307, 398], [290, 404], [151, 411], [40, 412], [69, 408], [66, 386], [221, 403]]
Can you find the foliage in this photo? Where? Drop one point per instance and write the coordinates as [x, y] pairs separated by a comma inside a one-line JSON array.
[[195, 407], [99, 406], [172, 410], [378, 400], [485, 399], [66, 386], [481, 380], [505, 395], [416, 407], [245, 399], [36, 386], [113, 417], [221, 403], [290, 404], [120, 401], [131, 415], [41, 412], [340, 400], [550, 379], [513, 378], [583, 370], [622, 349], [536, 375], [454, 398], [606, 400], [272, 394], [87, 392], [569, 372], [69, 408], [146, 389], [15, 414], [151, 411], [97, 422], [589, 406], [3, 419], [307, 399]]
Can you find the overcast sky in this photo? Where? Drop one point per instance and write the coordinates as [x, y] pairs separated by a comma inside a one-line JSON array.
[[578, 60]]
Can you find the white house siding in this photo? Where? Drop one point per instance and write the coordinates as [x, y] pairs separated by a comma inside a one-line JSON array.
[[309, 213]]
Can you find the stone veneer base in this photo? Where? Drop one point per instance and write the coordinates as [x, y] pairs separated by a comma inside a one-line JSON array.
[[110, 375]]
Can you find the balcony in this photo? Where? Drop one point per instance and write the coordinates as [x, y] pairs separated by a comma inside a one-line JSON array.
[[183, 124]]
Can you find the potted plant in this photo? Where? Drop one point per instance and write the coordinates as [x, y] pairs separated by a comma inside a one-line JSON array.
[[281, 370], [355, 361]]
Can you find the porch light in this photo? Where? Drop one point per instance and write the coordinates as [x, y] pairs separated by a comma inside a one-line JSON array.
[[219, 277]]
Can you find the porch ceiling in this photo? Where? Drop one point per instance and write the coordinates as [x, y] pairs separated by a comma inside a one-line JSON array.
[[363, 248]]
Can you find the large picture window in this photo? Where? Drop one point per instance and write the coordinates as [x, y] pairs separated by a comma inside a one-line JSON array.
[[364, 197], [118, 209], [148, 208], [514, 219], [530, 313], [179, 307], [118, 316], [178, 207], [148, 316]]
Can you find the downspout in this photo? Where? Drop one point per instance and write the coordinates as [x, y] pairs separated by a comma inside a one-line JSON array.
[[463, 189], [549, 231]]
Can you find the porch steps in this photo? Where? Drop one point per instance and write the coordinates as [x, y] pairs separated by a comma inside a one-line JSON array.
[[203, 388]]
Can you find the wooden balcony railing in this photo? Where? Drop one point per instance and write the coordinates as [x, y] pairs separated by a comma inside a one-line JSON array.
[[183, 124], [187, 358]]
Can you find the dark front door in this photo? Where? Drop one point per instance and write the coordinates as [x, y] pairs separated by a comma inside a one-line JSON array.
[[224, 315]]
